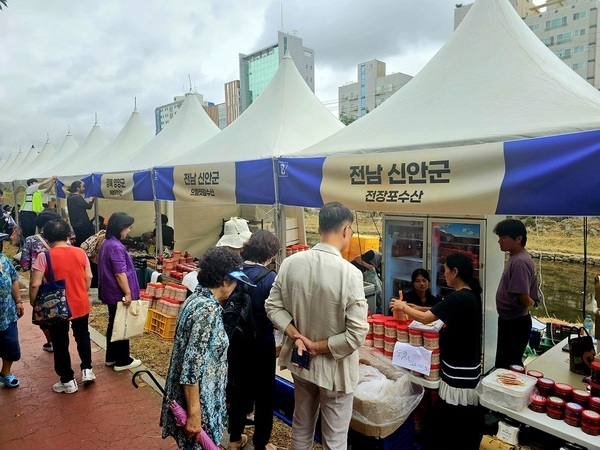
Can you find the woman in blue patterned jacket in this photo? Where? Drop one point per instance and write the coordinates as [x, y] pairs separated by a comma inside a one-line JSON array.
[[197, 374]]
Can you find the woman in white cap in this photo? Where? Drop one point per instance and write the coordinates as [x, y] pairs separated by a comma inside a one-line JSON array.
[[235, 234]]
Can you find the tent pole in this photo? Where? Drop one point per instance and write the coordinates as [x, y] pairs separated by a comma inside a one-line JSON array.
[[159, 244], [279, 216], [585, 231]]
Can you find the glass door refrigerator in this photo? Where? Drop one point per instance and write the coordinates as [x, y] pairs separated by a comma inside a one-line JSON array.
[[412, 242]]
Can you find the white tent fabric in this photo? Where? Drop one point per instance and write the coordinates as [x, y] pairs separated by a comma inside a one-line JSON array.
[[12, 171], [285, 118], [190, 127], [492, 81], [44, 158], [132, 136], [93, 143]]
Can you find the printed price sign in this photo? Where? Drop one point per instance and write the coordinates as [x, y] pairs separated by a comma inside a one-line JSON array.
[[412, 358]]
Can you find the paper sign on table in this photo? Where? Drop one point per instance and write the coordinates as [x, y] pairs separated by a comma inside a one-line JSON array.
[[412, 358]]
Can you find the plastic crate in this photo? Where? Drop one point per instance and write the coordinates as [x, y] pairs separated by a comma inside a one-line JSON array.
[[283, 407], [360, 244], [163, 325], [401, 439], [147, 325]]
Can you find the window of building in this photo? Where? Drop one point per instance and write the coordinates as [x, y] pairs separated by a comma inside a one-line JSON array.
[[548, 41], [555, 23], [534, 27], [579, 49], [580, 32], [564, 54], [578, 66], [563, 37], [579, 15]]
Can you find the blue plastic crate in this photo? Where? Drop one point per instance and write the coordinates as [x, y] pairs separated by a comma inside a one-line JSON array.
[[283, 407], [401, 439]]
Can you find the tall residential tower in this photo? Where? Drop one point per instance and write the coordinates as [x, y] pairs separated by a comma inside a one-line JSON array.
[[257, 68]]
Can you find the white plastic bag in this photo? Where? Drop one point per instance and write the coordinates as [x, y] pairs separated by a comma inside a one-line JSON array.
[[129, 322]]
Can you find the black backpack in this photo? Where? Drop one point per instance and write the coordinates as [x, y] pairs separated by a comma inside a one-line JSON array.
[[237, 313]]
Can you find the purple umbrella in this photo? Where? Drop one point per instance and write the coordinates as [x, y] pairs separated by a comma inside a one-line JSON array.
[[178, 412]]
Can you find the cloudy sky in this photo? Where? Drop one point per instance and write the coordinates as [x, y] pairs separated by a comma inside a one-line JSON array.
[[63, 61]]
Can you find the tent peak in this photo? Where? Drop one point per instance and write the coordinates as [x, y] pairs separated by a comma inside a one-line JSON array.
[[287, 54]]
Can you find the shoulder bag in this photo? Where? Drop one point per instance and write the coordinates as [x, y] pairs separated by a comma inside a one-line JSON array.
[[581, 351], [51, 305]]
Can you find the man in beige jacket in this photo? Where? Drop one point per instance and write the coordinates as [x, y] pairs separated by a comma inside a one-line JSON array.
[[318, 301]]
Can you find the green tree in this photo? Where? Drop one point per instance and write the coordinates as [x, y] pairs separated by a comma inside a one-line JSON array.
[[346, 120]]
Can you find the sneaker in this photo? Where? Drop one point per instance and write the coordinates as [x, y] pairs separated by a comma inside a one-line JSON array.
[[132, 365], [67, 388], [87, 376], [48, 347]]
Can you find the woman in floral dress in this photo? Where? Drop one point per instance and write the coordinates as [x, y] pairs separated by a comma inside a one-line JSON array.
[[197, 374]]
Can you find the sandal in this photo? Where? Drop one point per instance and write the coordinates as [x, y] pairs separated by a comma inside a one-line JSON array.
[[238, 444], [12, 382]]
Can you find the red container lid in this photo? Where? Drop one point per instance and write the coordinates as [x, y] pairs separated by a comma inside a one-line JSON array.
[[389, 339], [538, 399], [379, 320], [595, 365], [377, 316], [556, 401], [563, 388], [431, 334], [402, 326], [413, 331], [591, 416], [391, 322], [574, 407], [434, 367], [517, 368], [535, 373], [545, 382], [436, 350], [370, 319], [595, 401], [369, 336], [580, 395]]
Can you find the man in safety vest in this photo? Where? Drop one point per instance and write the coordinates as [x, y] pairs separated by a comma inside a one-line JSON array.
[[32, 205]]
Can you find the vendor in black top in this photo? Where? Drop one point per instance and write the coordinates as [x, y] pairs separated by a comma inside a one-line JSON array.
[[459, 416], [77, 207], [168, 233], [421, 295]]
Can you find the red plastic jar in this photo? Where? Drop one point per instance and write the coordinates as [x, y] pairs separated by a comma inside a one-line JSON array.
[[434, 373], [431, 340], [370, 323], [390, 328], [517, 368], [388, 345], [415, 337], [590, 422], [582, 397], [594, 389], [555, 407], [573, 414], [402, 332], [594, 404], [435, 356], [563, 390], [545, 386], [595, 372], [538, 403], [535, 374], [379, 325]]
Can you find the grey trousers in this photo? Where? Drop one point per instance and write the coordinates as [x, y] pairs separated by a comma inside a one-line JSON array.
[[336, 412]]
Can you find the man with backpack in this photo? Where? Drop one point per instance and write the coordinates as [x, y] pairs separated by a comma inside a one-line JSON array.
[[252, 345], [318, 301]]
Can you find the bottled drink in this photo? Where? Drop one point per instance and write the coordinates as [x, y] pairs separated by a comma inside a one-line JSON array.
[[159, 263], [588, 324]]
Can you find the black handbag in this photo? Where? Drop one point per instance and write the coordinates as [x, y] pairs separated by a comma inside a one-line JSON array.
[[581, 351], [51, 305]]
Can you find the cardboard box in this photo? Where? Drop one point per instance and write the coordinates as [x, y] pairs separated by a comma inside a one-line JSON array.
[[372, 431]]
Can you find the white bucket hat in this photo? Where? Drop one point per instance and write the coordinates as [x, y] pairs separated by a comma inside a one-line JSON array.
[[235, 233]]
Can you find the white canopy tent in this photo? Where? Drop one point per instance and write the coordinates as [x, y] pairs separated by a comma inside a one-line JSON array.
[[190, 127], [495, 123], [285, 118], [492, 81], [46, 156]]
